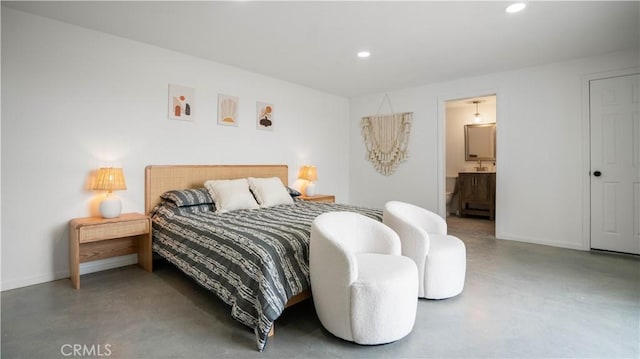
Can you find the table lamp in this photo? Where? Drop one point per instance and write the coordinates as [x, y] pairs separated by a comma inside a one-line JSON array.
[[110, 179], [309, 174]]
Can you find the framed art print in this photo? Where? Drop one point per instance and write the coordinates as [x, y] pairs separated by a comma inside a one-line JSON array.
[[227, 110], [181, 102], [264, 116]]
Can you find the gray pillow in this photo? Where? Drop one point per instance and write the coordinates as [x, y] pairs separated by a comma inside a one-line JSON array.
[[188, 197], [293, 192]]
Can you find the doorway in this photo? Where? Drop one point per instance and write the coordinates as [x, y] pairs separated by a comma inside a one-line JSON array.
[[614, 157], [470, 162]]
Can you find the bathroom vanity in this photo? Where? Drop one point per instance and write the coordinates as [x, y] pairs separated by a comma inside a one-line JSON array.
[[477, 194]]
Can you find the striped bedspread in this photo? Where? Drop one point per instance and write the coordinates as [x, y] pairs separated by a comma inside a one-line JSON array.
[[254, 260]]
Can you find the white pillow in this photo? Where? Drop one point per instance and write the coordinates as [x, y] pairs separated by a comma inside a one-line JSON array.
[[230, 195], [269, 191]]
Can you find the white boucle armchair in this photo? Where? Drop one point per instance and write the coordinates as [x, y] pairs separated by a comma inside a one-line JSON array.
[[364, 291], [441, 258]]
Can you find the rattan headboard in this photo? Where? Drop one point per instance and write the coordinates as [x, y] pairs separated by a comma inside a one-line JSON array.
[[159, 179]]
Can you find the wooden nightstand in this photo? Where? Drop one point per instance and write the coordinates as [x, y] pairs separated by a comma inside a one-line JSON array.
[[326, 198], [94, 238]]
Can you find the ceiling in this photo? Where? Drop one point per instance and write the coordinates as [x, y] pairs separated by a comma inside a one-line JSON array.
[[411, 43], [468, 102]]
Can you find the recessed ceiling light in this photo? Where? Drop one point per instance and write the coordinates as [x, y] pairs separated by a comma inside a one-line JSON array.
[[363, 54], [513, 8]]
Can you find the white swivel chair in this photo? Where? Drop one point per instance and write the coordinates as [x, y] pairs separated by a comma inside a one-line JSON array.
[[441, 259], [364, 291]]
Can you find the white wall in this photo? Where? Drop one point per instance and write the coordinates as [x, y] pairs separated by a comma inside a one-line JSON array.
[[76, 99], [540, 147]]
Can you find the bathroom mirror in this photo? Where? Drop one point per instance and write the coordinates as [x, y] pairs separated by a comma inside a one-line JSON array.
[[480, 142]]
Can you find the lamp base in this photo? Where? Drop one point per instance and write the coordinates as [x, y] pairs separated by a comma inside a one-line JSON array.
[[110, 207], [310, 190]]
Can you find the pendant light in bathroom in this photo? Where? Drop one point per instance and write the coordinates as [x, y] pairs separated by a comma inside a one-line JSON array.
[[476, 116]]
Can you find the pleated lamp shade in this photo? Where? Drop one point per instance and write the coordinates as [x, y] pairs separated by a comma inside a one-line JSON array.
[[310, 174], [110, 179]]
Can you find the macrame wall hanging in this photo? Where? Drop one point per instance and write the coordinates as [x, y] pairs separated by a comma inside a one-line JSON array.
[[386, 138]]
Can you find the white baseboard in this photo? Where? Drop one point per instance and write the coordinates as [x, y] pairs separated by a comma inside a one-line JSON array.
[[85, 268], [108, 263], [25, 282], [541, 242]]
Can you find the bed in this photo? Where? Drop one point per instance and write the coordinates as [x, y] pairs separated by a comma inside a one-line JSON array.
[[255, 260]]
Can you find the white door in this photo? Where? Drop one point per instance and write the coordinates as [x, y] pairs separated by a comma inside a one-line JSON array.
[[615, 163]]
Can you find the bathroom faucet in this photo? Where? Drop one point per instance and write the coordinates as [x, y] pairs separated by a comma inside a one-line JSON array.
[[480, 168]]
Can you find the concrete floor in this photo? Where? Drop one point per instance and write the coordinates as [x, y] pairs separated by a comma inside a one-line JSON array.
[[520, 301]]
